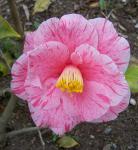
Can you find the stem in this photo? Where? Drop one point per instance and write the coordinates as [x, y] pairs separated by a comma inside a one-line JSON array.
[[15, 17], [9, 108], [6, 116], [12, 102], [41, 139], [21, 131]]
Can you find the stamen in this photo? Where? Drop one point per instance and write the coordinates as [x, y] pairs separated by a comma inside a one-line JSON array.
[[70, 80]]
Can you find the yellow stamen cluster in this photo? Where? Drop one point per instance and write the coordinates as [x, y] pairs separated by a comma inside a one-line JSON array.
[[70, 80]]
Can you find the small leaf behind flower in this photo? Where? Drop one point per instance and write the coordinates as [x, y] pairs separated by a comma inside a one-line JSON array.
[[3, 69], [102, 4], [41, 5], [132, 77], [54, 137], [6, 30], [67, 142]]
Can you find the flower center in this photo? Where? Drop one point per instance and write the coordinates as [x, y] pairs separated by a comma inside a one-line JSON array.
[[70, 80]]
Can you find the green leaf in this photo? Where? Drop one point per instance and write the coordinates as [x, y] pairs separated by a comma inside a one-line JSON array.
[[10, 46], [3, 69], [102, 4], [54, 137], [41, 5], [36, 23], [6, 30], [67, 142], [132, 77], [8, 58]]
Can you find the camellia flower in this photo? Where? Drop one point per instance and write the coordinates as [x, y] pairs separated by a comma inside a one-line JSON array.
[[72, 70]]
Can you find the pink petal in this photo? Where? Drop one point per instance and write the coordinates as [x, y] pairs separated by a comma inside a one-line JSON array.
[[33, 88], [47, 97], [61, 111], [51, 109], [45, 60], [111, 44], [19, 72], [29, 41], [46, 32], [101, 69], [89, 104], [83, 55], [114, 111], [56, 119], [34, 67], [71, 29], [74, 30]]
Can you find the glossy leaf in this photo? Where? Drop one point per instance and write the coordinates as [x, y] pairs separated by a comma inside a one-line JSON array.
[[54, 137], [102, 4], [10, 46], [132, 77], [3, 69], [67, 142], [6, 29], [41, 5]]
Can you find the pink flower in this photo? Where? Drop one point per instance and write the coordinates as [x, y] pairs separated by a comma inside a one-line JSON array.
[[72, 70]]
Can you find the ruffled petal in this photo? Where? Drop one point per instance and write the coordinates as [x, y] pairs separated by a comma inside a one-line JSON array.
[[19, 72], [45, 61], [34, 67], [71, 29], [114, 111], [45, 33], [111, 44], [54, 109], [74, 30], [102, 70], [29, 43], [89, 105], [56, 119]]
